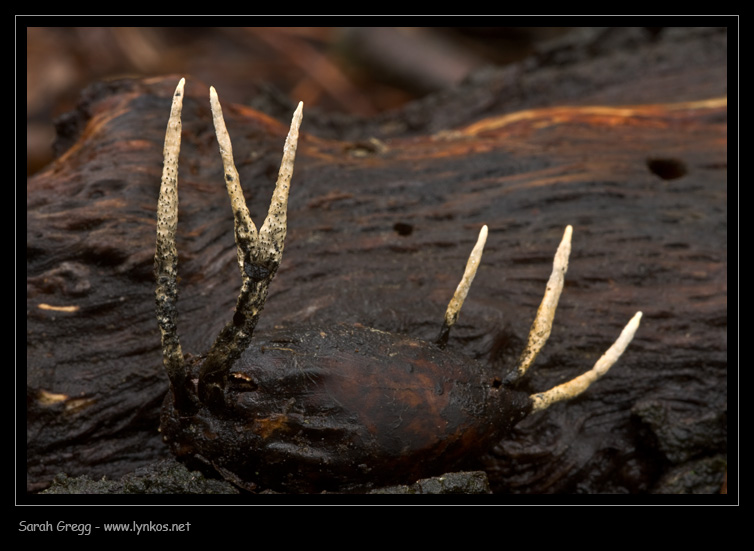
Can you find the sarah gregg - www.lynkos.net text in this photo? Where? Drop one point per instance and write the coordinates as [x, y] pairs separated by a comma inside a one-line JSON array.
[[86, 528]]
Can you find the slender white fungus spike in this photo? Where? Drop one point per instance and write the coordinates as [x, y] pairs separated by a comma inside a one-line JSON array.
[[454, 307], [272, 233], [245, 230], [576, 386], [166, 255], [540, 329]]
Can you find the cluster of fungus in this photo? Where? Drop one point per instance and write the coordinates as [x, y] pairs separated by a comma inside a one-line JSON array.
[[339, 407]]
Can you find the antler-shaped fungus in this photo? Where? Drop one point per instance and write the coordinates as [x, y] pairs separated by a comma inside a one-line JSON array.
[[259, 253]]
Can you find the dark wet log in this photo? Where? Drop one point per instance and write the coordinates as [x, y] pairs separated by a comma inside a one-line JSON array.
[[379, 231]]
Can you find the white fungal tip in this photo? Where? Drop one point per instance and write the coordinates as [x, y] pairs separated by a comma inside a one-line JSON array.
[[454, 307], [542, 325], [298, 116]]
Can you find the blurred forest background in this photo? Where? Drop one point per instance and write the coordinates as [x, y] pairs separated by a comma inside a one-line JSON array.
[[357, 71]]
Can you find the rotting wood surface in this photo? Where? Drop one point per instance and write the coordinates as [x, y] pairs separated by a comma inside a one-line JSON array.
[[378, 234]]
